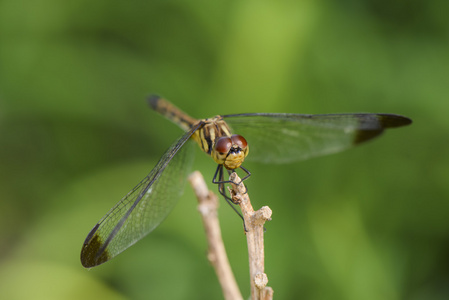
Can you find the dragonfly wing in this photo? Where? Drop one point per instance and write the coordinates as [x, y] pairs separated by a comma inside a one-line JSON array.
[[143, 208], [284, 138]]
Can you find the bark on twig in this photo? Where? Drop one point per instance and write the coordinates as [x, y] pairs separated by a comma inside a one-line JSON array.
[[208, 204], [254, 221]]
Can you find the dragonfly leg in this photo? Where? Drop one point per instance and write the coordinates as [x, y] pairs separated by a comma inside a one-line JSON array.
[[219, 171], [221, 181], [221, 189], [248, 173]]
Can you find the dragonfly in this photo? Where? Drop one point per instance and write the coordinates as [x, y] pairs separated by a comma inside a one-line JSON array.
[[272, 137]]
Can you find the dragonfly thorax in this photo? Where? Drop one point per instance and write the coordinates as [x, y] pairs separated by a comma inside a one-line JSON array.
[[230, 151]]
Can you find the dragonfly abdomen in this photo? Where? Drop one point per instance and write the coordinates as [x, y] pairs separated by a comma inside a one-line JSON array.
[[172, 113]]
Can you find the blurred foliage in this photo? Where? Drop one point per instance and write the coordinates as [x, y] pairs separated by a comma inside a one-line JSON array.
[[76, 135]]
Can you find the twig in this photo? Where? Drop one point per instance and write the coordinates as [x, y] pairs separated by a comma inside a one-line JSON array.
[[208, 204], [254, 221]]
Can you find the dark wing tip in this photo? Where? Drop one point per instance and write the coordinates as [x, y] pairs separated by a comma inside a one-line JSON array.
[[93, 252], [392, 121], [383, 121], [153, 101], [365, 135]]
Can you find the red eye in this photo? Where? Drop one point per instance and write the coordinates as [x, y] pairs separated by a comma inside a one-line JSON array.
[[223, 145], [239, 141]]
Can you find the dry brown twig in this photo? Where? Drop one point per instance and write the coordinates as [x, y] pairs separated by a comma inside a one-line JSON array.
[[254, 221], [208, 204]]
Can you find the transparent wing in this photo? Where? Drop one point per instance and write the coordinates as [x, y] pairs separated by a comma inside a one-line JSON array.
[[143, 208], [283, 138]]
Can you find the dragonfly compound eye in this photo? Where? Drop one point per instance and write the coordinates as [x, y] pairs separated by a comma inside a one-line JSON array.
[[223, 145], [239, 141]]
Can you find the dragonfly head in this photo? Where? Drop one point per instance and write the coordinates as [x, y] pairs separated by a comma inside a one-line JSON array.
[[230, 151]]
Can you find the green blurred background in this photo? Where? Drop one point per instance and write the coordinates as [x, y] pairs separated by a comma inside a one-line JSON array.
[[76, 135]]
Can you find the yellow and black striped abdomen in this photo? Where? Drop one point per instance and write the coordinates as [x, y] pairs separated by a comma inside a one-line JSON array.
[[172, 113]]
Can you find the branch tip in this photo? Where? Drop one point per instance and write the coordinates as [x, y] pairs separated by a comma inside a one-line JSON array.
[[261, 280], [262, 215]]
